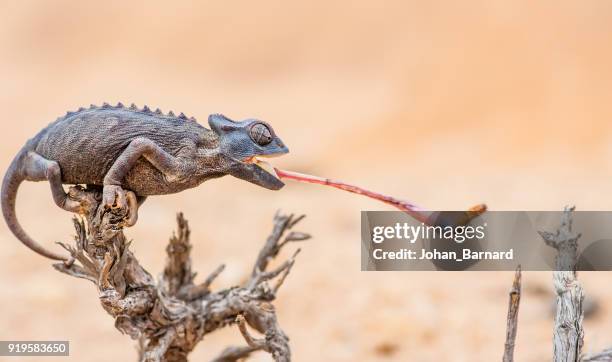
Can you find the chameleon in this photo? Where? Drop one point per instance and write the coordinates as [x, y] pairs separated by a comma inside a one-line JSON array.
[[121, 149]]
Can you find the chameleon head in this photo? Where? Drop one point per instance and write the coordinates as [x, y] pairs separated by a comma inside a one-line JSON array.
[[245, 144]]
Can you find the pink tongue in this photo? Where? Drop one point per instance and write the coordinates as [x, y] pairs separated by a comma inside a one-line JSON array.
[[416, 212]]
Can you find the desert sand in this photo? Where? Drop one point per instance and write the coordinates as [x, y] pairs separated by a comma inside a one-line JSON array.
[[442, 103]]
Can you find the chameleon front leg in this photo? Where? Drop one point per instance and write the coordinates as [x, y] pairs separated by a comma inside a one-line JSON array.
[[167, 164]]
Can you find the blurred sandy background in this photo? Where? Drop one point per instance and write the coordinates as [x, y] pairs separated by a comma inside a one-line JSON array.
[[447, 105]]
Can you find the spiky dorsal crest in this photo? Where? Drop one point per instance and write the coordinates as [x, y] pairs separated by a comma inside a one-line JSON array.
[[133, 107]]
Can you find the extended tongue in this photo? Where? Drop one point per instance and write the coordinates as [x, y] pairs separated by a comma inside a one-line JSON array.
[[416, 212]]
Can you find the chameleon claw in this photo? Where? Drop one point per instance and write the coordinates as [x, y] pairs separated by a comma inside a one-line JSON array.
[[108, 196], [121, 200], [132, 203], [114, 195]]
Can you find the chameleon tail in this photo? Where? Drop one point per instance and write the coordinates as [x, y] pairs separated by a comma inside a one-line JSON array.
[[10, 185]]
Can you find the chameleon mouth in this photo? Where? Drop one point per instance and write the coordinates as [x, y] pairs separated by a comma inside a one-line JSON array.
[[264, 165]]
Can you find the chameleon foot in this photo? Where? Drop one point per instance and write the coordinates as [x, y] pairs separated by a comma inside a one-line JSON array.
[[114, 196]]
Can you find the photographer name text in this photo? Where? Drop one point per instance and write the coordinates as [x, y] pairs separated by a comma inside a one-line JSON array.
[[424, 254]]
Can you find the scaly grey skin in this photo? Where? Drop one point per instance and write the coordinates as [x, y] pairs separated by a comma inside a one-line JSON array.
[[144, 151]]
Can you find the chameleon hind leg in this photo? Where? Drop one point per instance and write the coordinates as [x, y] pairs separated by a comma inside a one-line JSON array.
[[38, 168]]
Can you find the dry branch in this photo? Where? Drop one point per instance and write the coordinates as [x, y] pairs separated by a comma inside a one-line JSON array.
[[603, 356], [568, 333], [514, 300], [170, 316]]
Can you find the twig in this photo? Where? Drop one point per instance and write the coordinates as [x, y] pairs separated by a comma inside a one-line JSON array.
[[282, 224], [512, 319], [200, 290], [568, 336], [603, 356], [232, 354], [177, 272], [171, 316], [250, 340]]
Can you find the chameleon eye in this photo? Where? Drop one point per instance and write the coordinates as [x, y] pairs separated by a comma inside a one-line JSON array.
[[261, 134]]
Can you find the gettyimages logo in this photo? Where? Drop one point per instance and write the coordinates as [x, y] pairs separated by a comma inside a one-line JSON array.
[[495, 240], [410, 233]]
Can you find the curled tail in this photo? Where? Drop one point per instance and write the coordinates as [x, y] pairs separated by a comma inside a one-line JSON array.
[[10, 185]]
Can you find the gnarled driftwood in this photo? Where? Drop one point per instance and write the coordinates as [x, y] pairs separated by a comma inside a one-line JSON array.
[[170, 316]]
